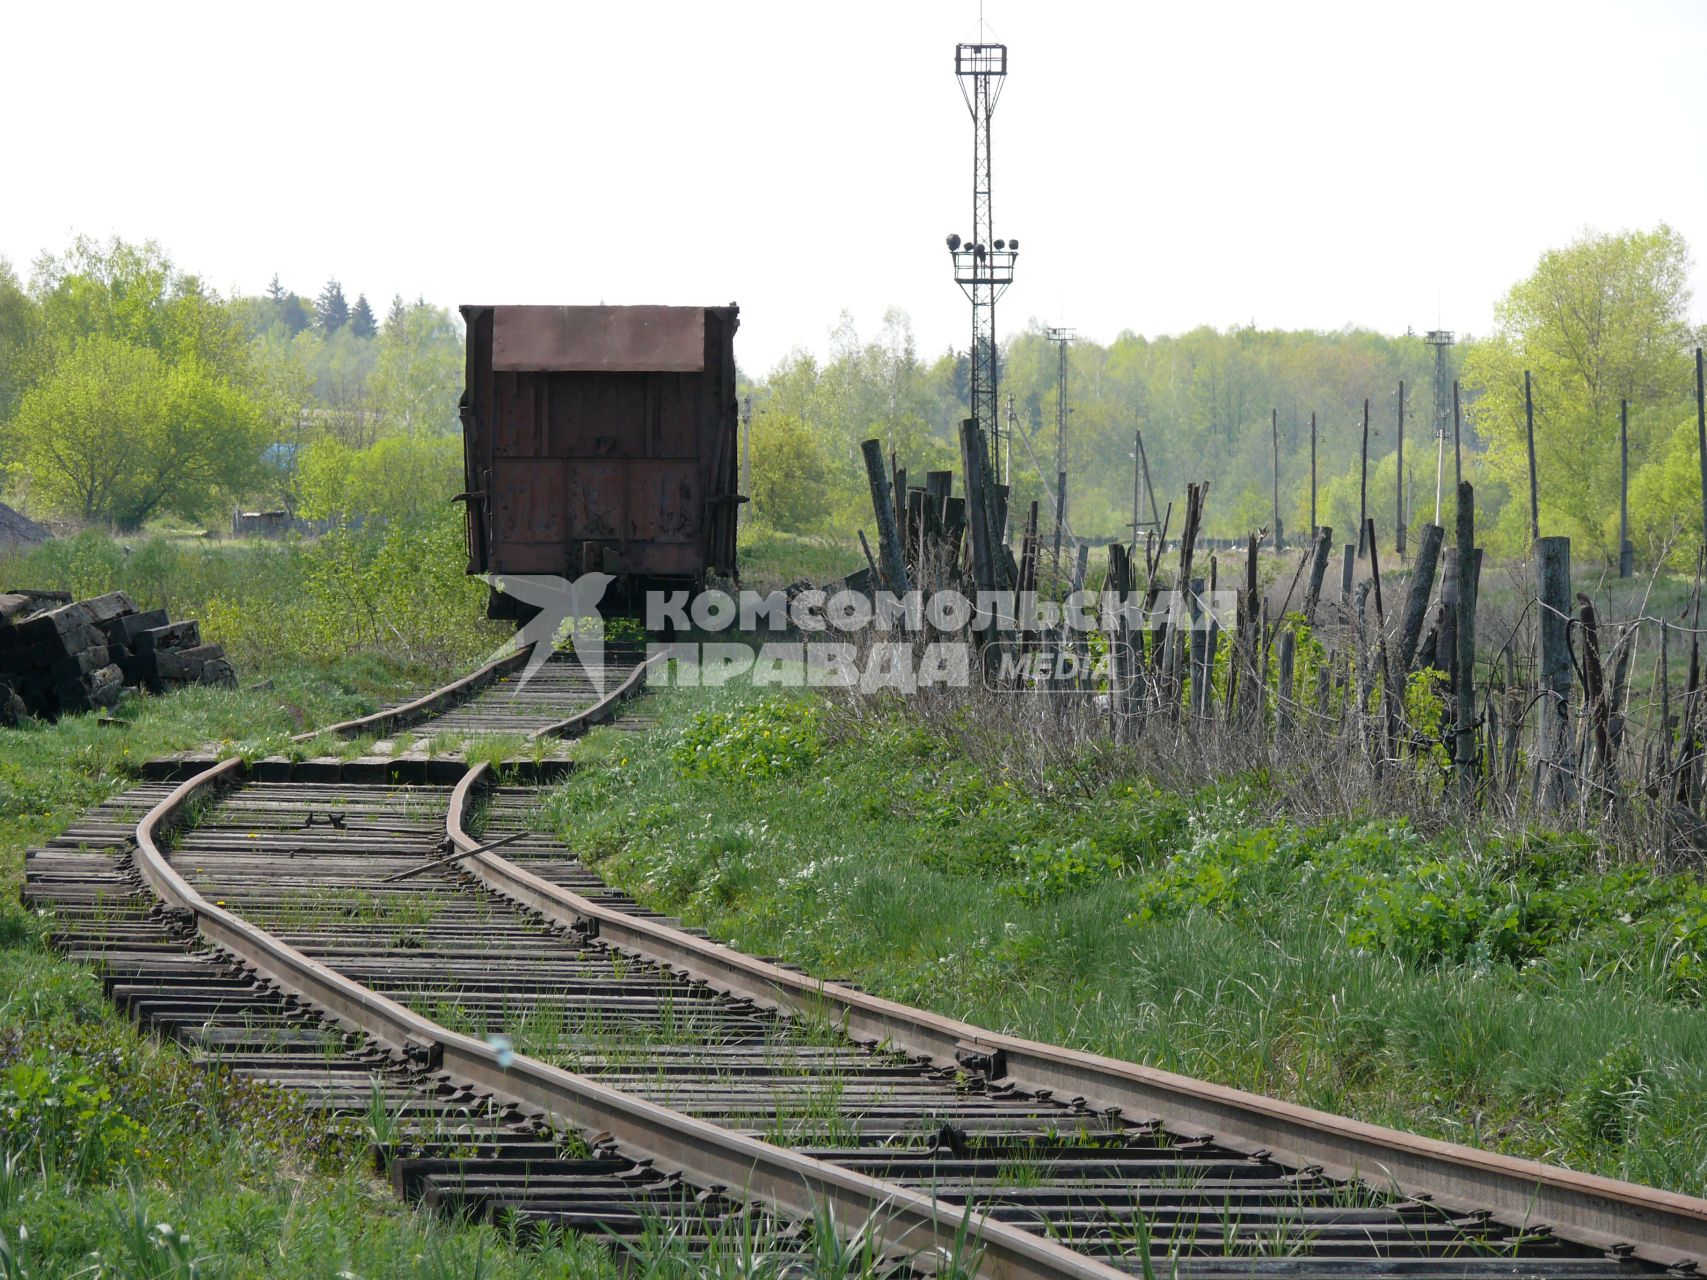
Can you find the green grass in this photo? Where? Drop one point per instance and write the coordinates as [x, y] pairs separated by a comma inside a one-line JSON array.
[[395, 590], [106, 1134], [49, 773], [771, 560], [1532, 995], [120, 1158]]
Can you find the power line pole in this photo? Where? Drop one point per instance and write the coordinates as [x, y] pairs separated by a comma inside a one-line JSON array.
[[746, 459], [1060, 337], [1626, 551], [1314, 527], [1363, 490], [1440, 340], [1399, 484], [1274, 442], [1008, 442]]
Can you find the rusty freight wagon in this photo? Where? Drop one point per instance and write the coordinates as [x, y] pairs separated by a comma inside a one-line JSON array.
[[601, 439]]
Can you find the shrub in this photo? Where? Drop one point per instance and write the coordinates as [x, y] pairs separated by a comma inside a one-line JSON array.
[[62, 1118], [761, 740]]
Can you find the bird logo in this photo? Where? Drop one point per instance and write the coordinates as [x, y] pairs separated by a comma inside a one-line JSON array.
[[562, 602]]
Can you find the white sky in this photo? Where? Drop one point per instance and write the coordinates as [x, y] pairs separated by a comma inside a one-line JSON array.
[[1163, 165]]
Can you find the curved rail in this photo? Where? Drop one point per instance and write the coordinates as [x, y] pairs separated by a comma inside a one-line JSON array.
[[1658, 1226], [404, 714], [605, 708], [917, 1225], [1623, 1217]]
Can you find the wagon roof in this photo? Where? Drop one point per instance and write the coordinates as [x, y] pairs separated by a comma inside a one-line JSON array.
[[598, 339]]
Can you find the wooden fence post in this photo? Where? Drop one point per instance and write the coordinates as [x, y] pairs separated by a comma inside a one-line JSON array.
[[1595, 701], [888, 531], [1288, 645], [1391, 704], [1204, 640], [1553, 598], [1416, 600], [972, 465], [1464, 718], [1318, 571]]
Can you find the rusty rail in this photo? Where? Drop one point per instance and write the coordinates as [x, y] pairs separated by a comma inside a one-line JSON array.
[[918, 1226], [1621, 1217]]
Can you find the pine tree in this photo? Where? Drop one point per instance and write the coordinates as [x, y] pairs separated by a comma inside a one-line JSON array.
[[330, 309], [295, 314], [276, 291], [395, 317], [362, 323]]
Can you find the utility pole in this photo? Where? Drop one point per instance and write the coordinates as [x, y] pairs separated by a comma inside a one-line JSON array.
[[1399, 484], [1135, 474], [1060, 337], [1700, 429], [1440, 340], [1534, 489], [1008, 442], [983, 266], [1274, 443], [1363, 490], [1626, 551], [1314, 527], [1141, 467], [746, 460]]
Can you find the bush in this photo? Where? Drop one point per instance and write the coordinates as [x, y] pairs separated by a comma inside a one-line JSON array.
[[762, 740], [61, 1118], [396, 589]]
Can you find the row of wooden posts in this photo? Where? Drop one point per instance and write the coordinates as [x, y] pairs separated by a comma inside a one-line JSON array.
[[1366, 646]]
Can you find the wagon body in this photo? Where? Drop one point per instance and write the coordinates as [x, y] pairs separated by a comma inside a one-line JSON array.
[[601, 439]]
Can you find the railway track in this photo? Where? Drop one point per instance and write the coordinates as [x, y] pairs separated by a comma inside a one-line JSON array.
[[520, 1040]]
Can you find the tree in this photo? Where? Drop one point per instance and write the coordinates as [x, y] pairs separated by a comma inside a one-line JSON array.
[[114, 433], [284, 394], [417, 375], [791, 489], [275, 290], [1665, 499], [134, 293], [17, 329], [1602, 319], [330, 310], [362, 323], [395, 479]]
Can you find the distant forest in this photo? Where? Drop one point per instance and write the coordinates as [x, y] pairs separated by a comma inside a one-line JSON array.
[[131, 393], [1600, 321]]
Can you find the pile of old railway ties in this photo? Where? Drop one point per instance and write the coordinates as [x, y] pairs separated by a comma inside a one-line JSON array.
[[353, 875]]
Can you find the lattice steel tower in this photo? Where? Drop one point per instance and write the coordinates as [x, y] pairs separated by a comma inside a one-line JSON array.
[[983, 265], [1440, 340]]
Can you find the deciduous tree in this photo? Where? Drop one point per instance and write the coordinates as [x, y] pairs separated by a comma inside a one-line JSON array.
[[1603, 319], [114, 433]]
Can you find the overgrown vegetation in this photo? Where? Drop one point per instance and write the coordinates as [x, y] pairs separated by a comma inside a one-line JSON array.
[[121, 1159], [131, 392], [1525, 992], [396, 591]]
